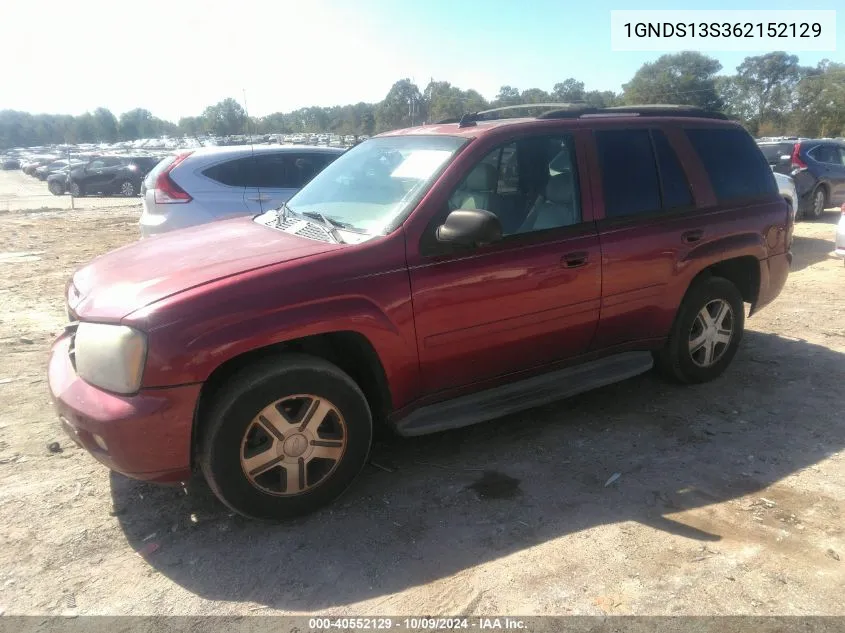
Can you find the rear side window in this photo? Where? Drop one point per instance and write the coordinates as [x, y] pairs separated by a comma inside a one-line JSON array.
[[826, 154], [675, 187], [301, 168], [628, 172], [733, 162], [232, 173]]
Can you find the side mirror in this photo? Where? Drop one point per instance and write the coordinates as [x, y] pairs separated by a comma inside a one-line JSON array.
[[470, 227]]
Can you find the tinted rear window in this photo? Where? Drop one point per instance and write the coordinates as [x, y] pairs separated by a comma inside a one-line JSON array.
[[733, 162], [676, 190], [773, 153], [628, 172]]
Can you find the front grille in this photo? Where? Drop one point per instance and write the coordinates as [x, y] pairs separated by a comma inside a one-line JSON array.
[[306, 229]]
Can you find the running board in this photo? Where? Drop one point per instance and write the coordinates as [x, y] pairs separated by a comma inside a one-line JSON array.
[[524, 394]]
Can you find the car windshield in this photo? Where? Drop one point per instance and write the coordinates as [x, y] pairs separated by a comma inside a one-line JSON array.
[[374, 183]]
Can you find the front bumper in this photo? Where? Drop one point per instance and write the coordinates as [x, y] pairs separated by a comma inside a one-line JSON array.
[[145, 436]]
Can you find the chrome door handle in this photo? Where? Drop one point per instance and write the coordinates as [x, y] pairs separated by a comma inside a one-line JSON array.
[[259, 198]]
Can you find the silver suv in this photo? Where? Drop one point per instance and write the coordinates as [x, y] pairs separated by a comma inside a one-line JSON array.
[[214, 183]]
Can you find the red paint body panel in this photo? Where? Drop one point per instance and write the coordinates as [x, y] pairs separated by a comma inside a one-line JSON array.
[[147, 435], [442, 326]]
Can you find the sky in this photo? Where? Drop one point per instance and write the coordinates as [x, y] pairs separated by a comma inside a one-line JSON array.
[[176, 57]]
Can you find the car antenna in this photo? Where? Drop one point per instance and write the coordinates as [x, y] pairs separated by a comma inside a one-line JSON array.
[[252, 149]]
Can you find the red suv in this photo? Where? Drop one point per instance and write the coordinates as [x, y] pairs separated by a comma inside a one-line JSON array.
[[428, 279]]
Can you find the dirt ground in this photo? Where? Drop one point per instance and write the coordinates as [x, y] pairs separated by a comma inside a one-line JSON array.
[[729, 499]]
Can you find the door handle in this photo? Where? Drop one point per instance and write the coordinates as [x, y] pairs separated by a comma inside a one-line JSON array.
[[691, 237], [574, 260], [261, 198]]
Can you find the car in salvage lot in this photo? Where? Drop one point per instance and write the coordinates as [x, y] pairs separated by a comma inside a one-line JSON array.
[[414, 283], [110, 175], [816, 166], [199, 186]]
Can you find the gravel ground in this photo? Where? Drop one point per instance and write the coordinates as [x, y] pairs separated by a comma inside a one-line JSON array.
[[729, 497]]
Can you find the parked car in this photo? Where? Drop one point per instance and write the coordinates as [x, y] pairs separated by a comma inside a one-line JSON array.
[[35, 162], [840, 235], [110, 175], [203, 185], [10, 162], [57, 182], [412, 285], [786, 187], [44, 171], [818, 168]]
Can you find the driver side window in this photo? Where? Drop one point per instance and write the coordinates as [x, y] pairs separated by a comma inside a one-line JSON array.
[[530, 184]]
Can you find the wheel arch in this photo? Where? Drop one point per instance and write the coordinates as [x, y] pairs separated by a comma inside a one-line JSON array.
[[351, 351]]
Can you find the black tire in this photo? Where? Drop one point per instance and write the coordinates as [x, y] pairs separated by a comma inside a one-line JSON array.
[[56, 188], [76, 190], [231, 416], [676, 361], [818, 202]]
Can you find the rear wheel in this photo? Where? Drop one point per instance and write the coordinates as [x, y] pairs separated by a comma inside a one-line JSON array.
[[706, 332], [818, 203], [285, 438], [127, 189]]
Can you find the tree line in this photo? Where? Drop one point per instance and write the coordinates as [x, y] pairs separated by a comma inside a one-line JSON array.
[[771, 94]]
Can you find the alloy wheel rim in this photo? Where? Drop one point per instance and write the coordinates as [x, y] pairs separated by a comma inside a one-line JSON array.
[[74, 189], [711, 333], [293, 445], [818, 203], [127, 189]]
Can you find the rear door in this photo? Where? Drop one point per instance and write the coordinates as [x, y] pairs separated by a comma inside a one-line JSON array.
[[653, 219], [221, 188], [644, 232], [831, 170], [276, 176]]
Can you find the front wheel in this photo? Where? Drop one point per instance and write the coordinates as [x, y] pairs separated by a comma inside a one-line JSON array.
[[706, 332], [285, 438], [56, 188], [76, 190]]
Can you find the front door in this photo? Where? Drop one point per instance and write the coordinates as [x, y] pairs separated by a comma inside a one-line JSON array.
[[526, 301]]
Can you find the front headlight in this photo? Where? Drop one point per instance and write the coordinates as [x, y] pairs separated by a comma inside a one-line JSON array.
[[110, 356]]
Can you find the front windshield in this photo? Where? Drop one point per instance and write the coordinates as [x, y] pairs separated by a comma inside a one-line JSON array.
[[372, 184]]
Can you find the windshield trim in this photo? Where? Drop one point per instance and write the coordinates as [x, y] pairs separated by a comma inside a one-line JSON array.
[[414, 201]]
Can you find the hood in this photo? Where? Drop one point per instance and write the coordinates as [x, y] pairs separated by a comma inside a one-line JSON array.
[[129, 278]]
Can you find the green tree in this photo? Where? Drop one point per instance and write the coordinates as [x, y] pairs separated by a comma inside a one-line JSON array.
[[763, 88], [192, 125], [508, 95], [400, 107], [105, 125], [225, 118], [534, 95], [820, 102], [686, 78], [568, 91]]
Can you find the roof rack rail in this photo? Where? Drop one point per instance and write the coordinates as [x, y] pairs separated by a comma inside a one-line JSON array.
[[470, 118], [580, 109]]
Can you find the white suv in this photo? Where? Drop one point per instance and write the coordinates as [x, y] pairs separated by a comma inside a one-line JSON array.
[[214, 183]]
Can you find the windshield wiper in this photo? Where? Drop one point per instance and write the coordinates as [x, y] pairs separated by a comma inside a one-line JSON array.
[[331, 225], [331, 221]]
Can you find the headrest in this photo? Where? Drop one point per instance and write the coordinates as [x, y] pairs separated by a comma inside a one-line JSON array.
[[482, 178], [559, 189]]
